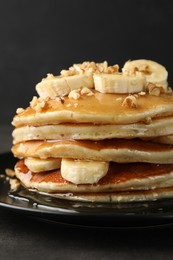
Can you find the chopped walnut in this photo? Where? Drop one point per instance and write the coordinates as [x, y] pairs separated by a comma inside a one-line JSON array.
[[154, 90], [38, 104], [50, 76], [14, 184], [112, 69], [19, 110], [130, 101], [91, 67], [74, 94], [86, 91], [104, 68], [90, 94], [119, 99], [142, 93], [138, 70], [10, 172], [69, 72], [75, 105], [34, 101]]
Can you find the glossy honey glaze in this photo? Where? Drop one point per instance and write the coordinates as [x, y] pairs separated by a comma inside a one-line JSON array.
[[99, 108], [118, 173]]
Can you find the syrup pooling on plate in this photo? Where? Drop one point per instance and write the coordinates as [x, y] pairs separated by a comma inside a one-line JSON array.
[[105, 214], [135, 102]]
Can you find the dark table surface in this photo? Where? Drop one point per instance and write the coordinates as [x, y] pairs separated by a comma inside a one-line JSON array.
[[22, 237]]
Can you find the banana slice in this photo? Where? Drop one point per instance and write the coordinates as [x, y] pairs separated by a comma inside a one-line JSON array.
[[54, 86], [119, 83], [153, 71], [83, 172], [38, 165]]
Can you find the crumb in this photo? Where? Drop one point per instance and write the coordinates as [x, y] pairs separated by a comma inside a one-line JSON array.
[[10, 172], [2, 176], [14, 184], [148, 120]]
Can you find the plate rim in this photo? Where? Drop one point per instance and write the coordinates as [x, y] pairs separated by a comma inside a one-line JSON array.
[[60, 212]]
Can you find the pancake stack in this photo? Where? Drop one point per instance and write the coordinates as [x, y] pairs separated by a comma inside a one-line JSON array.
[[98, 134]]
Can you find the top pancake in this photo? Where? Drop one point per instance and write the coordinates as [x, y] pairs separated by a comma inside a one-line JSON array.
[[98, 109]]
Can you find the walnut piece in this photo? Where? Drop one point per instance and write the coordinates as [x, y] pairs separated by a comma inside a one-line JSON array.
[[130, 101], [19, 110], [37, 103], [86, 91], [91, 67], [74, 94], [154, 90], [142, 93]]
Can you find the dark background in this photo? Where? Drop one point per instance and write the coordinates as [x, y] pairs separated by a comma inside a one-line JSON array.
[[37, 37]]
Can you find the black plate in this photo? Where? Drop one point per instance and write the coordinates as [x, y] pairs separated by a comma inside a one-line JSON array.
[[123, 215]]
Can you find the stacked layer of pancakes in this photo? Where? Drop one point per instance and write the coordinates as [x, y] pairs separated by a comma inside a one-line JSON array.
[[130, 134]]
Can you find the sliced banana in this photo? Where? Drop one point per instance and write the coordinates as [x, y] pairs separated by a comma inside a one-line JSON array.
[[83, 172], [153, 71], [39, 165], [119, 83], [54, 86]]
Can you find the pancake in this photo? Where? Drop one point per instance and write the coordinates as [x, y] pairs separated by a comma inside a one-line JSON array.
[[116, 150], [116, 197], [157, 127], [111, 142], [98, 109], [120, 177]]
